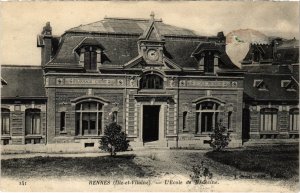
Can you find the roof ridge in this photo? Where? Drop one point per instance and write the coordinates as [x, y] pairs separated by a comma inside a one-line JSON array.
[[132, 19]]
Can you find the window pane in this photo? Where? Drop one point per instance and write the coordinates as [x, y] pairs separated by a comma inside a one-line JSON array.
[[62, 121], [100, 123], [184, 120], [5, 122], [274, 122], [28, 124]]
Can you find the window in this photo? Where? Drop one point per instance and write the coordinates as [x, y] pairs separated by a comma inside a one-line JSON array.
[[89, 117], [229, 120], [63, 121], [207, 116], [184, 120], [294, 119], [268, 119], [32, 121], [90, 58], [5, 119], [151, 81], [209, 59], [115, 117]]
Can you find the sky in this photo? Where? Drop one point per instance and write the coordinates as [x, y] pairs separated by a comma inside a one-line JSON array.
[[21, 22]]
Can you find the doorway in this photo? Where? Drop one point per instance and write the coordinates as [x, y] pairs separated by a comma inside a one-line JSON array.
[[151, 122]]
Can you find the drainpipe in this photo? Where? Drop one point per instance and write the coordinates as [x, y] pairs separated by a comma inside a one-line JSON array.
[[124, 103], [177, 128]]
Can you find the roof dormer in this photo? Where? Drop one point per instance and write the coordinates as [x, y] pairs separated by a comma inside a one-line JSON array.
[[260, 85], [289, 85], [91, 53]]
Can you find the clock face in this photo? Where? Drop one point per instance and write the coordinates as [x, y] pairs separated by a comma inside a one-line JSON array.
[[152, 55]]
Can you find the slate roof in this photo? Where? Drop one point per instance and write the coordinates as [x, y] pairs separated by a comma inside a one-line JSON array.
[[119, 38], [274, 90], [130, 26], [22, 82], [267, 68]]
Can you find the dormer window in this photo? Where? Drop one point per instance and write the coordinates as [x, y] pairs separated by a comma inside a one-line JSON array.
[[209, 62], [289, 85], [260, 85], [90, 57]]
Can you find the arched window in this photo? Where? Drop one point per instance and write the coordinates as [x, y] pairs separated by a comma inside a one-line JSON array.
[[268, 119], [5, 121], [294, 119], [151, 81], [207, 113], [89, 116], [32, 121]]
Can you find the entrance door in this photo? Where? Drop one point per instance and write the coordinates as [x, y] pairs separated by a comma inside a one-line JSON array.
[[150, 123]]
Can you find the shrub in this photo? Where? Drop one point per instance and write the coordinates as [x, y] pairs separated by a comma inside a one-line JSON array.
[[114, 139], [200, 172], [220, 137]]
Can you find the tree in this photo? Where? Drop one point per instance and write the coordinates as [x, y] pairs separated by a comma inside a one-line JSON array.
[[220, 137], [114, 139]]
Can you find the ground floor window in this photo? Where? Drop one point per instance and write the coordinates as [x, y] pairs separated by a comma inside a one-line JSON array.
[[268, 119], [5, 121], [89, 117], [294, 119], [32, 121], [62, 121], [184, 120], [115, 117], [207, 114]]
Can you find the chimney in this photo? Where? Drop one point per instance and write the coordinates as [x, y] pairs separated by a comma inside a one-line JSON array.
[[45, 42]]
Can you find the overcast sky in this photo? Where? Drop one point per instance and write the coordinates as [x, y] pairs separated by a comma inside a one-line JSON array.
[[21, 22]]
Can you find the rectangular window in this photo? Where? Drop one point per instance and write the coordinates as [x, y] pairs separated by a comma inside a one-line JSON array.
[[268, 120], [184, 120], [32, 121], [62, 121], [5, 124], [294, 122], [229, 121]]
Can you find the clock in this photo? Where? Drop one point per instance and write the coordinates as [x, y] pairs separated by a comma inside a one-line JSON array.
[[152, 55]]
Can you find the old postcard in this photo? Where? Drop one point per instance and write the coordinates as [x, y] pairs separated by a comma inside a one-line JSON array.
[[155, 96]]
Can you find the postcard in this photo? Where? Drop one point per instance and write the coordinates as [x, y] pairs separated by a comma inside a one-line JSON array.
[[149, 96]]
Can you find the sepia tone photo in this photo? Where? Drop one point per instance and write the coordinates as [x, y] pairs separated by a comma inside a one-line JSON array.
[[153, 96]]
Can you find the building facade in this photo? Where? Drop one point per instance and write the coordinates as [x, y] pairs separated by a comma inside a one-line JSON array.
[[166, 86]]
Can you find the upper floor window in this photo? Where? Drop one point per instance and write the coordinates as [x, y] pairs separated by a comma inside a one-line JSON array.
[[209, 60], [268, 119], [32, 121], [90, 58], [5, 121], [294, 119], [151, 81]]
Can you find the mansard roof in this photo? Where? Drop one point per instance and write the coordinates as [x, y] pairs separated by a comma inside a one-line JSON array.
[[22, 82], [131, 26], [121, 50], [274, 90], [119, 39]]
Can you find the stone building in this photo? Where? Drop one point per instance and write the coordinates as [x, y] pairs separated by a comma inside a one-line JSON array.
[[271, 90], [166, 86], [23, 105]]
